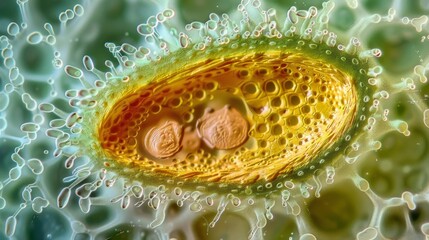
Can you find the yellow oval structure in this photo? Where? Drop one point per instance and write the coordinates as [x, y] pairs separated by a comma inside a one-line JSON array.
[[249, 117]]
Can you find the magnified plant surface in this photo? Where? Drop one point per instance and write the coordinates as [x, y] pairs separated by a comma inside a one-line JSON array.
[[198, 119]]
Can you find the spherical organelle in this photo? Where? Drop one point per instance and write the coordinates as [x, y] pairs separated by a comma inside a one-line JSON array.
[[163, 140]]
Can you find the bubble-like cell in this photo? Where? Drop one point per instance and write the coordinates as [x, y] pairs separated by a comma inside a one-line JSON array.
[[99, 216], [398, 150], [193, 10], [417, 179], [382, 183], [49, 224], [40, 149], [393, 223], [401, 110], [6, 151], [419, 216], [339, 211], [50, 9], [53, 179], [82, 236], [380, 7], [35, 58], [298, 5], [204, 231], [39, 90]]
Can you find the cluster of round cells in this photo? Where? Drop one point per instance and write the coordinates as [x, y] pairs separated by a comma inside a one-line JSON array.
[[240, 119]]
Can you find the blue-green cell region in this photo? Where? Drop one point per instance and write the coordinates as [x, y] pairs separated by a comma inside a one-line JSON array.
[[36, 59], [403, 150], [401, 46], [6, 149], [49, 224], [38, 90], [394, 220], [228, 219], [402, 110], [9, 12], [379, 6], [98, 217], [343, 18], [197, 10]]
